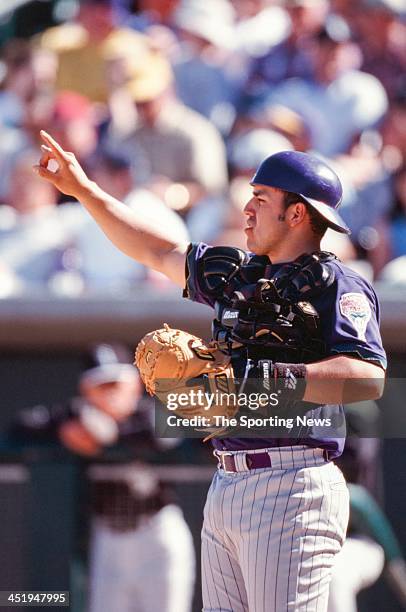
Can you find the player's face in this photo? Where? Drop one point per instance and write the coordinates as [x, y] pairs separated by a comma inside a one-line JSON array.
[[117, 398], [265, 228]]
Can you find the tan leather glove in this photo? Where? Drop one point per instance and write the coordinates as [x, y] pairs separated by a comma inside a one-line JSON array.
[[174, 361]]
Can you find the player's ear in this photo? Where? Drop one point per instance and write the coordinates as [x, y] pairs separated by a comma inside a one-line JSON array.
[[296, 213]]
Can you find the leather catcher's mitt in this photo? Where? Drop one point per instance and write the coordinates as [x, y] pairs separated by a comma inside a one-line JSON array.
[[172, 361]]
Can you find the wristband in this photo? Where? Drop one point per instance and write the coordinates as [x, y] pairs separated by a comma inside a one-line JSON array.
[[287, 378]]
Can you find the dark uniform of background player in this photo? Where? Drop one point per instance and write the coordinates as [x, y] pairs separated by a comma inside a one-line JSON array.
[[137, 530], [277, 510], [371, 547]]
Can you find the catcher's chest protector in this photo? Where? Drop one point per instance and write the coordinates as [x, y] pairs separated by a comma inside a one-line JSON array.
[[266, 311]]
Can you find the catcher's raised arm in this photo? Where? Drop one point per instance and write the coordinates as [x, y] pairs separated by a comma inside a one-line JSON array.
[[136, 237]]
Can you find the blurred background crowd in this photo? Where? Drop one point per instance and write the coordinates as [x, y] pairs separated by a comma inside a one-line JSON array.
[[171, 104]]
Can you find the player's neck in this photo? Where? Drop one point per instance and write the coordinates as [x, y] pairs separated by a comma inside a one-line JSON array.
[[291, 250]]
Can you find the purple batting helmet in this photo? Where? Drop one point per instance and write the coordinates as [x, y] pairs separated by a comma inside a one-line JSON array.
[[308, 177]]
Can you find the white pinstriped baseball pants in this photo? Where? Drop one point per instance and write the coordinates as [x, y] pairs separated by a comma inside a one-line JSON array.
[[270, 535]]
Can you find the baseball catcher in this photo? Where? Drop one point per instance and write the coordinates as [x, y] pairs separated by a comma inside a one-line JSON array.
[[288, 319]]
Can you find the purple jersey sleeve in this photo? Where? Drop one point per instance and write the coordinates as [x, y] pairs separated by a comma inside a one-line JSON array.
[[350, 318], [193, 288]]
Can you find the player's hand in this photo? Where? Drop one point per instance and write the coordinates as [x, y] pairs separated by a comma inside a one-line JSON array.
[[77, 439], [69, 177]]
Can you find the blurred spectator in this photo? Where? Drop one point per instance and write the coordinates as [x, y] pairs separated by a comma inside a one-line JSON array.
[[349, 9], [83, 47], [34, 232], [68, 115], [260, 25], [142, 14], [181, 146], [394, 129], [37, 113], [277, 118], [32, 16], [397, 238], [205, 21], [26, 79], [203, 77], [367, 195], [383, 41], [17, 83], [292, 57], [25, 72], [159, 10], [392, 235], [341, 101], [73, 124], [102, 266], [248, 150]]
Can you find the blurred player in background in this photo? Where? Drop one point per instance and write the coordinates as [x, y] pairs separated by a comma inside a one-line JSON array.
[[137, 531], [371, 546]]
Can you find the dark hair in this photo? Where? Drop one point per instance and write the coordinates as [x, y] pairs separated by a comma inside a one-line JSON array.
[[317, 223], [15, 54]]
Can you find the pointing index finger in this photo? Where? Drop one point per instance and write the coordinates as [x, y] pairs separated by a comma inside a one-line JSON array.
[[56, 147]]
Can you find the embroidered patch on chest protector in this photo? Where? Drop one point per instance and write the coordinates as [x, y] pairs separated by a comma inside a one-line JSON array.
[[355, 307]]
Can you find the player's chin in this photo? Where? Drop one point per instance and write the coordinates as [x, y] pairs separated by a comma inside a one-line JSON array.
[[250, 241], [253, 245]]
